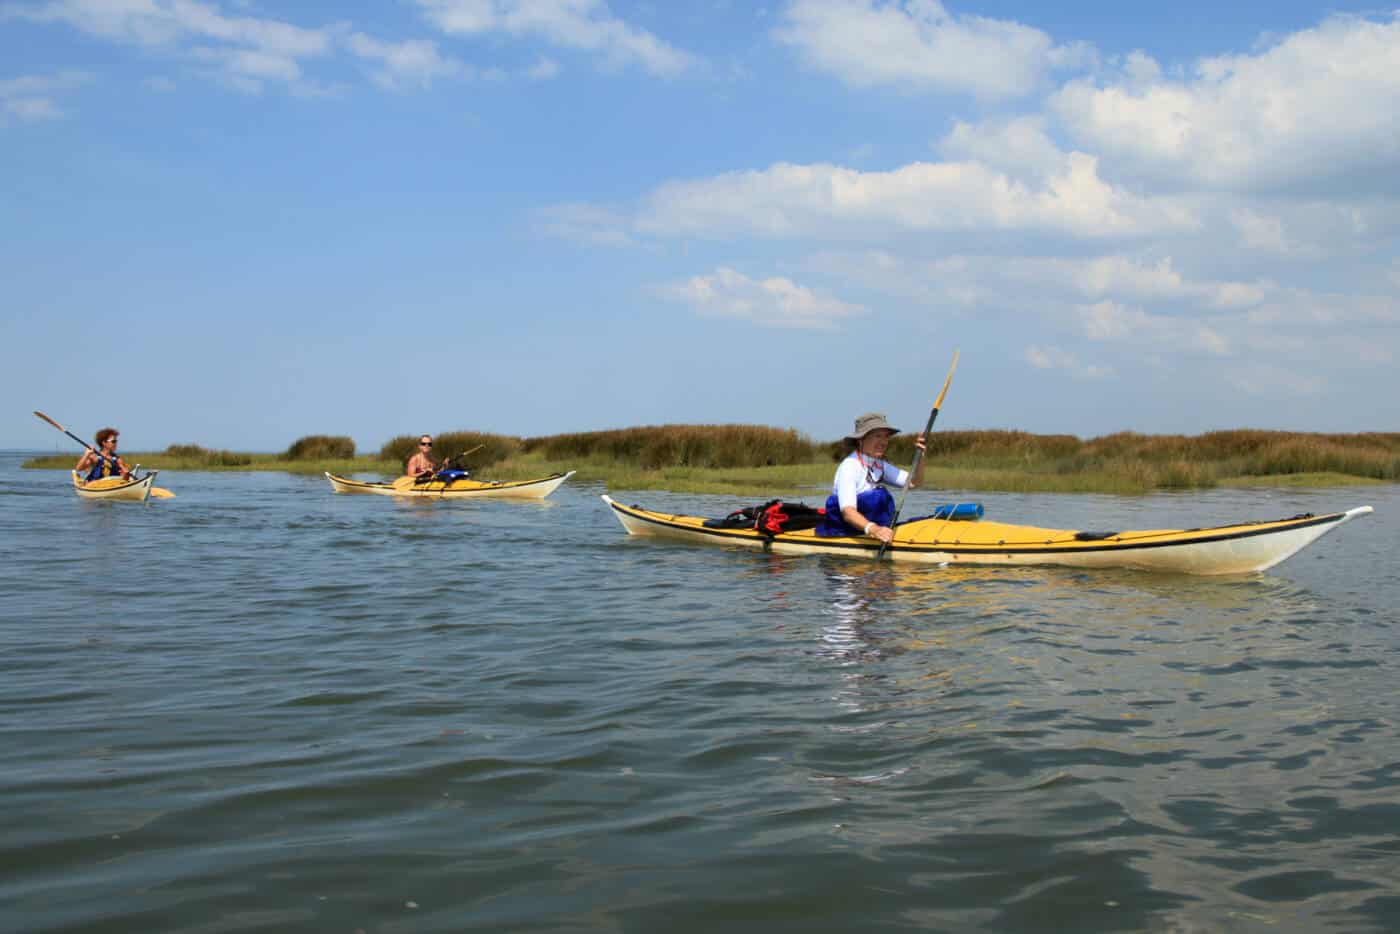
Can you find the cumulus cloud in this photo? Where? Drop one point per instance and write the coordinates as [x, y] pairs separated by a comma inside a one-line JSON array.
[[587, 25], [1035, 281], [412, 63], [1132, 278], [1315, 111], [773, 302], [1013, 145], [828, 201], [920, 44]]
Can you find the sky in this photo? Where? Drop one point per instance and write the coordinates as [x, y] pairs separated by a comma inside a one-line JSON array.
[[237, 222]]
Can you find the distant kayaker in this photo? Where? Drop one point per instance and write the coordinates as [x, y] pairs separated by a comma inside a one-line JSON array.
[[102, 461], [859, 503], [421, 466]]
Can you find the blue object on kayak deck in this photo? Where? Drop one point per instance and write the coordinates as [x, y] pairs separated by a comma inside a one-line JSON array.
[[953, 512], [450, 475]]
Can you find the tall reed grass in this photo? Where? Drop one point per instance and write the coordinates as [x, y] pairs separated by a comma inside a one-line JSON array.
[[655, 446], [320, 447], [204, 456], [716, 456], [490, 449]]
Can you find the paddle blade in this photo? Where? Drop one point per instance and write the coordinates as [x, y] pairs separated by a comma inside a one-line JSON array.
[[403, 483], [938, 403], [160, 492], [49, 420]]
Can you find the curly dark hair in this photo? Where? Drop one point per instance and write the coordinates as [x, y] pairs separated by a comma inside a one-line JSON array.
[[104, 434]]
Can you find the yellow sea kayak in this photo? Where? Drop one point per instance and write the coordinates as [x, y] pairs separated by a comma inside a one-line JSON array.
[[131, 490], [456, 489], [1229, 549]]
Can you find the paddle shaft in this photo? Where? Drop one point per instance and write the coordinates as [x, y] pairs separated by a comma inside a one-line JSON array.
[[73, 436], [66, 432], [919, 454]]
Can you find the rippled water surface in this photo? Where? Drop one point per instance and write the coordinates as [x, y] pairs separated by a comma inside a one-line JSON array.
[[261, 706]]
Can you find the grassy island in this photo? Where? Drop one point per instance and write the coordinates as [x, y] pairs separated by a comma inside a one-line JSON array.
[[758, 460]]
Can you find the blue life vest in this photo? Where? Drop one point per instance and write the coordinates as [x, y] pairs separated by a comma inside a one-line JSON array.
[[876, 505], [105, 467]]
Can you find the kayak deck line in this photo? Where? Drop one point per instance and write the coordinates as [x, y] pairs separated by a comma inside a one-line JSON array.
[[1236, 548]]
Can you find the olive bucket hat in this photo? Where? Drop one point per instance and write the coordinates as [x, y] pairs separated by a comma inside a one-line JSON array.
[[870, 421]]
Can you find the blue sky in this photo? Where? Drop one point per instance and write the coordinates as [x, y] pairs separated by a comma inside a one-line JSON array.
[[234, 223]]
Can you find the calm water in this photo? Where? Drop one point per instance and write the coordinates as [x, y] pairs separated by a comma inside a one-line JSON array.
[[264, 707]]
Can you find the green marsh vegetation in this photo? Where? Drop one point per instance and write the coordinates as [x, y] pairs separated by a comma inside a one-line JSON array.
[[759, 460]]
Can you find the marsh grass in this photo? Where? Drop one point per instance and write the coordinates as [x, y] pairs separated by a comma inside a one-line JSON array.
[[193, 453], [321, 447], [759, 460], [656, 447], [490, 449]]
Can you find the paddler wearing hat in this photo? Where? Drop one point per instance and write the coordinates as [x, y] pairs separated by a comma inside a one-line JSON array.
[[859, 503]]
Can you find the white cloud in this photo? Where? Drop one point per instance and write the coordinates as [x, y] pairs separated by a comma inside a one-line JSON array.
[[1112, 321], [1043, 285], [31, 98], [575, 24], [1316, 111], [1132, 278], [1055, 358], [249, 51], [829, 201], [774, 302], [414, 62], [158, 22], [1014, 145], [919, 44]]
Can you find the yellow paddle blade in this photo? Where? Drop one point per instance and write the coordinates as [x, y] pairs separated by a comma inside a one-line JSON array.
[[403, 483], [160, 492]]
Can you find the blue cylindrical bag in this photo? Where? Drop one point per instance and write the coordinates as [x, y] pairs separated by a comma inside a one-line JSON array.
[[958, 512]]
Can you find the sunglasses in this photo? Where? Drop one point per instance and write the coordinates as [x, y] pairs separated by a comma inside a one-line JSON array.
[[425, 444]]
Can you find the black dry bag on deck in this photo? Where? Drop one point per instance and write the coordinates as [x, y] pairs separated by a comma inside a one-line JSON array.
[[771, 518]]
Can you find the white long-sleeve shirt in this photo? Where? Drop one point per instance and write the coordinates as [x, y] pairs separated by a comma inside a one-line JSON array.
[[858, 473]]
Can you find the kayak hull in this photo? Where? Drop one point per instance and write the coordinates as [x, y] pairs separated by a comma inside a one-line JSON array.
[[114, 488], [457, 489], [1234, 549]]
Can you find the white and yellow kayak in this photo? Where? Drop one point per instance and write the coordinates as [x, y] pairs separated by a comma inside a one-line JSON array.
[[465, 488], [1229, 549], [133, 489]]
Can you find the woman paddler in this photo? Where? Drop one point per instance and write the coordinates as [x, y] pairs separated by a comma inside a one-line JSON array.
[[421, 465], [102, 461], [859, 504]]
